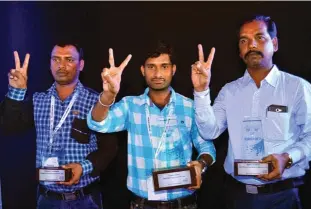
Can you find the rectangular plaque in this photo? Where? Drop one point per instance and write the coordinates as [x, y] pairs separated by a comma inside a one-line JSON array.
[[251, 168], [56, 174], [173, 178]]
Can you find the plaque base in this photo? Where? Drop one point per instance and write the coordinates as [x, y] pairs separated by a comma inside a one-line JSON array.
[[55, 174], [251, 168], [173, 178]]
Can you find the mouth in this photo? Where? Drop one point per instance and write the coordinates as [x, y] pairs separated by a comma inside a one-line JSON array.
[[157, 81]]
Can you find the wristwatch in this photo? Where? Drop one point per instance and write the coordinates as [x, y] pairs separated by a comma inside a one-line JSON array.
[[204, 165], [289, 162]]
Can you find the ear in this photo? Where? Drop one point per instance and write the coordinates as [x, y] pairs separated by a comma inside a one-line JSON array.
[[81, 65], [275, 43], [142, 70], [174, 69]]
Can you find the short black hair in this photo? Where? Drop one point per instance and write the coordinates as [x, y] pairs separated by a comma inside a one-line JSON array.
[[160, 47], [271, 26], [77, 46]]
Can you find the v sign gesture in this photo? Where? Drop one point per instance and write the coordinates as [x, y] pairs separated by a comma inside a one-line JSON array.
[[18, 76], [201, 70], [112, 76]]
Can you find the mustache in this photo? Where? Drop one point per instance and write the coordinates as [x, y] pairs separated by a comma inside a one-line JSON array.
[[254, 52], [61, 71]]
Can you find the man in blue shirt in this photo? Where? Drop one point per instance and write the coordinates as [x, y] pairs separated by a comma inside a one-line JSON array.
[[63, 137], [161, 129], [268, 116]]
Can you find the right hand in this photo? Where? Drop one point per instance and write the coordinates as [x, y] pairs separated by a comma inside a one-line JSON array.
[[18, 76], [201, 70], [112, 76]]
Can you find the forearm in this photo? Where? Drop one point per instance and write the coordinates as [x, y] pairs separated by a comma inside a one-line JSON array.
[[211, 121], [101, 108]]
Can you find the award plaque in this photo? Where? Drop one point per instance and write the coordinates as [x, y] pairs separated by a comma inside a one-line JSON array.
[[173, 178], [55, 174], [251, 168]]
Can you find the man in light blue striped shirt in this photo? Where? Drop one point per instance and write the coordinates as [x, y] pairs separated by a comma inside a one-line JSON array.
[[281, 102], [161, 130]]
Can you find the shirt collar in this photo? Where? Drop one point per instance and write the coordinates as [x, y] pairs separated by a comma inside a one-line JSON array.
[[271, 78], [146, 99], [52, 90]]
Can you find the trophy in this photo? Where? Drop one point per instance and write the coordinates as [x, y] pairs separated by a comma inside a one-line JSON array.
[[253, 151]]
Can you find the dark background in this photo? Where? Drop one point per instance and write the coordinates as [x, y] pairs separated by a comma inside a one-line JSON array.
[[128, 27]]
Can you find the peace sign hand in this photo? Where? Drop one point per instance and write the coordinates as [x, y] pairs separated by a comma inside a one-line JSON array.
[[201, 70], [18, 76], [112, 76]]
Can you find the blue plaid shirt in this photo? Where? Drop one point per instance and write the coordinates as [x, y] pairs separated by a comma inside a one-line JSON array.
[[130, 114], [73, 150]]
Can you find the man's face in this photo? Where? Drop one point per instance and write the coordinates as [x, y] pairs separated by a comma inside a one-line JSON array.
[[65, 64], [158, 72], [256, 46]]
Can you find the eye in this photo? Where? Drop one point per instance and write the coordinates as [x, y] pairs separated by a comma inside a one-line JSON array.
[[261, 37], [165, 66], [149, 67], [70, 59], [242, 41], [54, 59]]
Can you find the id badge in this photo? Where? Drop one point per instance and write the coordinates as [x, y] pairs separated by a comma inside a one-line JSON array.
[[152, 195]]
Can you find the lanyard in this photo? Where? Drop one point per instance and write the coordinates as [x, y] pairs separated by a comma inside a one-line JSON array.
[[160, 146], [52, 115]]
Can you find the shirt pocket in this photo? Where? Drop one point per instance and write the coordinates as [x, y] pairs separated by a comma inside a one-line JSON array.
[[276, 126], [80, 131]]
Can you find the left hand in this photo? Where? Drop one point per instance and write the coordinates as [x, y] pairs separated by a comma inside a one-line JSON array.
[[77, 170], [279, 162], [198, 168]]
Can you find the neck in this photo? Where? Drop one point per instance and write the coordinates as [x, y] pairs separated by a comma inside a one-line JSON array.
[[258, 74], [65, 91], [160, 98]]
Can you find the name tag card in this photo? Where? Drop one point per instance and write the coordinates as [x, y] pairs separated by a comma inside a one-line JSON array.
[[251, 168], [180, 177], [55, 174]]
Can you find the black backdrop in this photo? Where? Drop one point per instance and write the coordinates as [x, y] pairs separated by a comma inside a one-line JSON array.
[[128, 27]]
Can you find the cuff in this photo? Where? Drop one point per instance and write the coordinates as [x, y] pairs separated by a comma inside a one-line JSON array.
[[87, 167], [95, 126], [16, 93], [296, 154], [207, 153], [202, 99]]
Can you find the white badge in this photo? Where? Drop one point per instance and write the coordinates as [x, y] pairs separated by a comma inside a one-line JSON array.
[[152, 195], [50, 162]]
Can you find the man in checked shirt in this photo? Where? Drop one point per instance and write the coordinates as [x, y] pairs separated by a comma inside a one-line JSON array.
[[63, 138], [159, 116]]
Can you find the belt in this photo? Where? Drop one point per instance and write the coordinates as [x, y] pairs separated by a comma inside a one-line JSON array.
[[77, 194], [265, 188], [176, 203]]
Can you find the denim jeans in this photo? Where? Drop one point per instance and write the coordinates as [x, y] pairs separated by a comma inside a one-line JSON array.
[[92, 201]]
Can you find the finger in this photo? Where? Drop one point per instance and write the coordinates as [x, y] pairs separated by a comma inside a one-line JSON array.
[[26, 62], [125, 62], [111, 58], [201, 53], [110, 81], [211, 57], [16, 74], [266, 159], [17, 61], [201, 70]]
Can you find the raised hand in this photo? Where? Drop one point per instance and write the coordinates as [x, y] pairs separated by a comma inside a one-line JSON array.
[[18, 76], [112, 76], [201, 70]]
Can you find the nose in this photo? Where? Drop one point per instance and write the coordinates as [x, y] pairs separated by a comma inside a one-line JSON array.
[[157, 73], [252, 44]]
